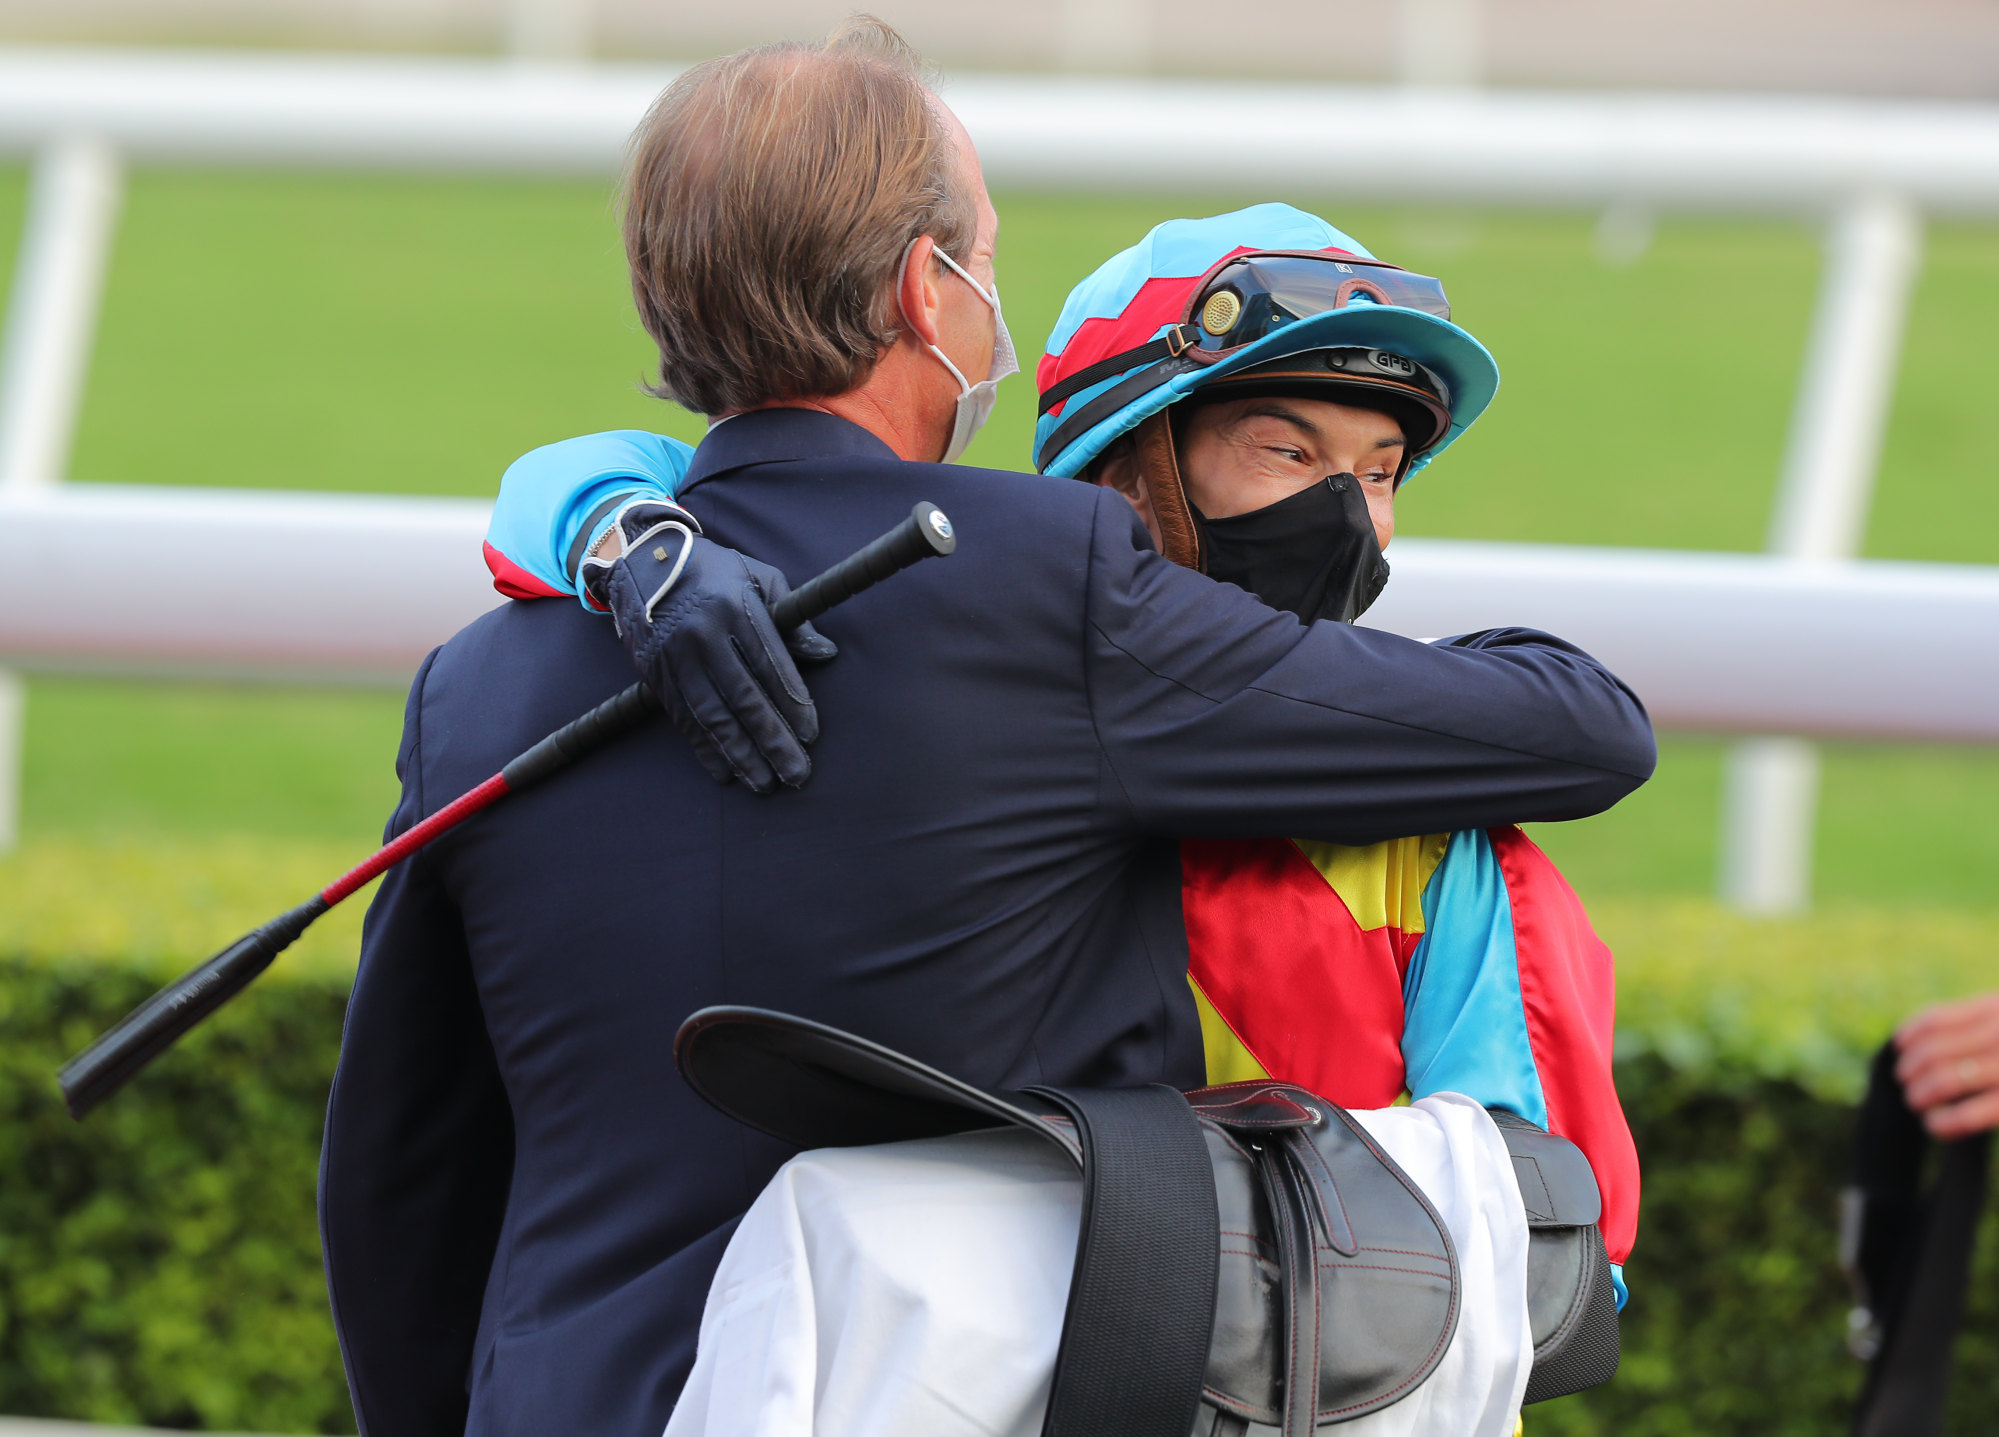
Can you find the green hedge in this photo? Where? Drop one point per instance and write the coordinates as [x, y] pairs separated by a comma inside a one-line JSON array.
[[1737, 1316], [160, 1263]]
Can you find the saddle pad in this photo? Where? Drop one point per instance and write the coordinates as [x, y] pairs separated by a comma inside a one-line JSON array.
[[917, 1289]]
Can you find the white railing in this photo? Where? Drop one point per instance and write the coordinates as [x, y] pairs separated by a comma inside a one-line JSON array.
[[1869, 169], [341, 588], [294, 587]]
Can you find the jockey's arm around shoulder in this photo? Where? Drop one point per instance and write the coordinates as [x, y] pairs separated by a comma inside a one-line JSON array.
[[1349, 734], [1501, 726]]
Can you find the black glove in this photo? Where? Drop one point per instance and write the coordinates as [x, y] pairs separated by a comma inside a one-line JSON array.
[[695, 618]]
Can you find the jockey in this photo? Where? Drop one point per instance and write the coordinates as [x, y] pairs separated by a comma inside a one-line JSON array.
[[1259, 387]]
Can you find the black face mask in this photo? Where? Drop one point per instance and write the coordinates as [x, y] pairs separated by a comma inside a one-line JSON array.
[[1313, 554]]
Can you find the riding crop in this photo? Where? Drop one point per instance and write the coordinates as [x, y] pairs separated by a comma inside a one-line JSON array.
[[155, 1025]]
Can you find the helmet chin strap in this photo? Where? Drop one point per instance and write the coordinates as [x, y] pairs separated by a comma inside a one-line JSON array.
[[1159, 472]]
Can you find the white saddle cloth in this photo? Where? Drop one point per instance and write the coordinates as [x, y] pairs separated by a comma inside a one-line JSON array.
[[917, 1289]]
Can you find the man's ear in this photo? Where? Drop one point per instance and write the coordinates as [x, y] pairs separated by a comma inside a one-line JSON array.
[[1117, 468], [917, 295]]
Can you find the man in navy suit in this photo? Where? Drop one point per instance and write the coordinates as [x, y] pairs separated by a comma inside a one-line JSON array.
[[521, 1204]]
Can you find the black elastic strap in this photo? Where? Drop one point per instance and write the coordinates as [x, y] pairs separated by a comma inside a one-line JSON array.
[[1086, 417], [1170, 345], [572, 562], [1917, 1255], [1141, 1311]]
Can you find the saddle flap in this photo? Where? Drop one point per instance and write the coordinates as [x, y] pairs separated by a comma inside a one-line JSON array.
[[1556, 1185], [1383, 1303]]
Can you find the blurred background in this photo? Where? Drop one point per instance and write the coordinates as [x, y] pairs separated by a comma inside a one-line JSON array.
[[1933, 48], [336, 329]]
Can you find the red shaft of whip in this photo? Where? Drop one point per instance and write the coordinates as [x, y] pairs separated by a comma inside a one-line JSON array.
[[415, 837]]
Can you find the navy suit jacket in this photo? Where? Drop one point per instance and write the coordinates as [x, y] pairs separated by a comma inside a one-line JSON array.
[[521, 1202]]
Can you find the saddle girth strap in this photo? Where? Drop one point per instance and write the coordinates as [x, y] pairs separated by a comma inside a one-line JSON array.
[[1141, 1309]]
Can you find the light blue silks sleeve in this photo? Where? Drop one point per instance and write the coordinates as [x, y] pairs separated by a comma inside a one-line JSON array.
[[1465, 1025], [557, 500], [1465, 1030]]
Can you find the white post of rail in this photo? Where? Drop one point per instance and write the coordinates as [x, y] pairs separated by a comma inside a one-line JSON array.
[[1873, 254], [52, 312], [73, 197]]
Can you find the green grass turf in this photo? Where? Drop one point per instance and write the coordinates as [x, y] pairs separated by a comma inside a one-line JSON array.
[[337, 332], [167, 761], [415, 334]]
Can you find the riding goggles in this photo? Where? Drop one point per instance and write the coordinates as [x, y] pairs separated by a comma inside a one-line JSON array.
[[1249, 297]]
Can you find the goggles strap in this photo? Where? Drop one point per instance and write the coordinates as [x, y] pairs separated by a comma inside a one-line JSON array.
[[1159, 468], [1170, 345]]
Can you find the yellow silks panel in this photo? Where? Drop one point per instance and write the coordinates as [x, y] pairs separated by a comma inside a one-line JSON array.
[[1381, 884], [1229, 1061]]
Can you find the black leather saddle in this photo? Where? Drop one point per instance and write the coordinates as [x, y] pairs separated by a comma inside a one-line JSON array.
[[1229, 1235]]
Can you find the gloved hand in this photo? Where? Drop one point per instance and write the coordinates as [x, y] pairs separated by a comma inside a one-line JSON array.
[[695, 618]]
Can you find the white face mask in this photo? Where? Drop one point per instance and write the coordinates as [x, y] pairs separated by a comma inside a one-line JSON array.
[[975, 401]]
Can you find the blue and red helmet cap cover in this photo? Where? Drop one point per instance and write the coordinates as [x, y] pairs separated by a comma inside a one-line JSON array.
[[1140, 293]]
